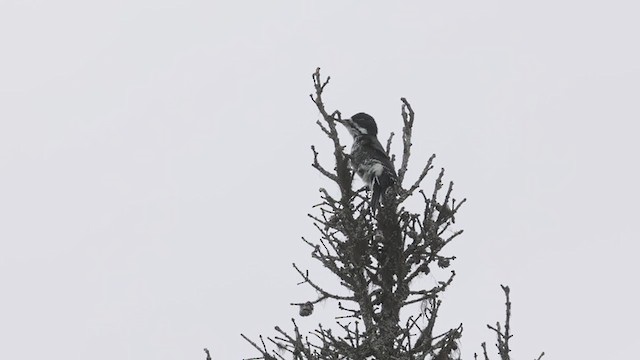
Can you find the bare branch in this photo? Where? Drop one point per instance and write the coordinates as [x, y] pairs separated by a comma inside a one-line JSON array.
[[319, 167], [263, 351], [407, 118], [388, 148], [505, 348], [324, 293], [416, 185], [484, 351], [343, 172]]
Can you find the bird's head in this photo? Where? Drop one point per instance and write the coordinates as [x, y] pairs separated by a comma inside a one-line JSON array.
[[361, 124]]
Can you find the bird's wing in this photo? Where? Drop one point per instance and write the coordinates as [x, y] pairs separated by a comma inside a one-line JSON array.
[[381, 155]]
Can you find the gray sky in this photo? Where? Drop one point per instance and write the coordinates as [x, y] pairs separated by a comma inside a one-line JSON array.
[[155, 166]]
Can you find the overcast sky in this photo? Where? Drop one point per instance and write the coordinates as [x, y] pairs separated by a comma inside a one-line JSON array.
[[155, 167]]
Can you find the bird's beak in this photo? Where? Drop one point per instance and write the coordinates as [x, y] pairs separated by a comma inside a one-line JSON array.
[[344, 122]]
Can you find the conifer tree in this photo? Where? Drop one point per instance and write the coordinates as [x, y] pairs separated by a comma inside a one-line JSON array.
[[378, 260]]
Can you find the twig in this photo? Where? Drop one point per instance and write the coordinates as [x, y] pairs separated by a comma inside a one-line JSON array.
[[407, 118], [505, 349], [484, 351], [264, 352], [416, 185], [342, 169], [388, 148], [318, 288]]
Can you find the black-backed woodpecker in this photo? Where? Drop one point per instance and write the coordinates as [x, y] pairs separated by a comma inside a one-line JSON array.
[[368, 158]]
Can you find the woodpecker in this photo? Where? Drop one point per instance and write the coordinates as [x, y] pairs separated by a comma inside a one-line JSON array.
[[368, 158]]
